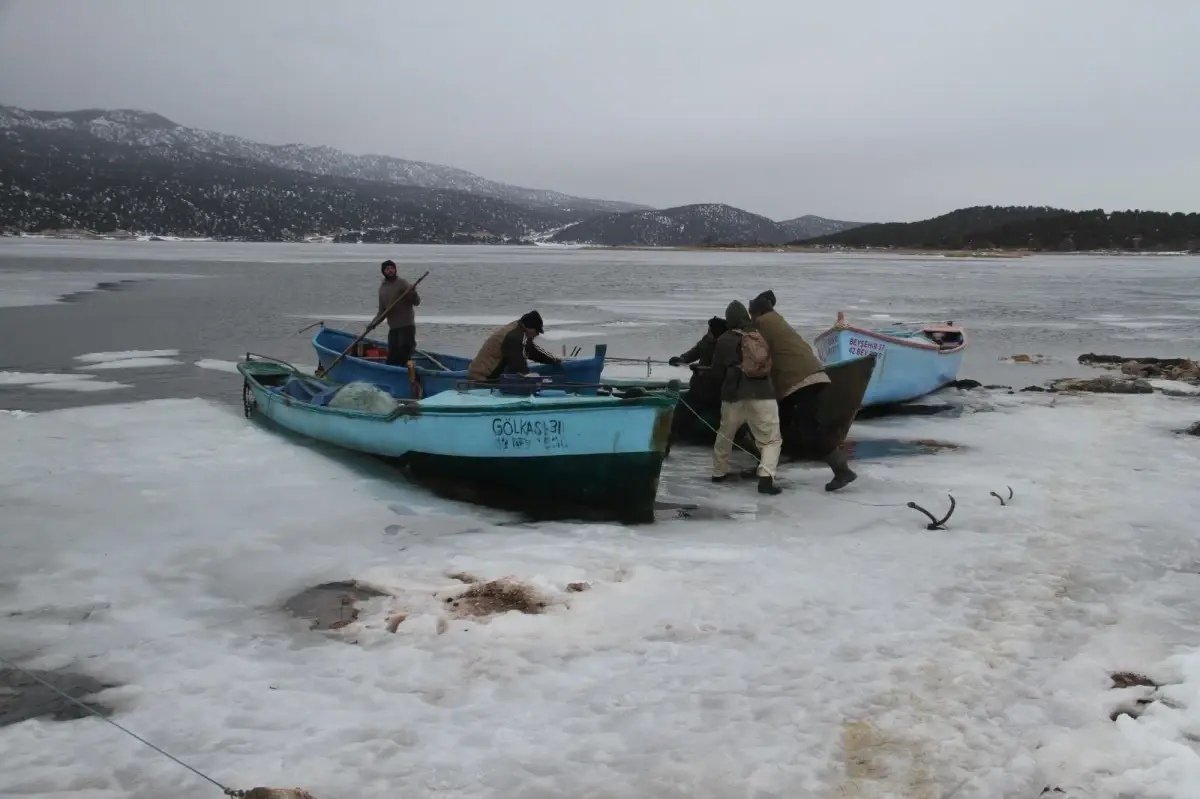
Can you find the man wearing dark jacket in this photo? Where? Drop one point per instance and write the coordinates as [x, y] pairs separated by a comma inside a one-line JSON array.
[[505, 351], [744, 400], [401, 319], [799, 379], [703, 390]]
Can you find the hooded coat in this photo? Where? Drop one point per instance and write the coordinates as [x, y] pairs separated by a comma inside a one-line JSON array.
[[508, 349], [794, 365], [727, 360]]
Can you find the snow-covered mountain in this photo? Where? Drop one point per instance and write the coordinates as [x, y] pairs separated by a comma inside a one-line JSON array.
[[63, 179], [682, 226], [810, 226], [691, 225], [143, 129]]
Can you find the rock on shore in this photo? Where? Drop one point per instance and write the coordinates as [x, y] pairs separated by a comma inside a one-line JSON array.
[[1182, 369]]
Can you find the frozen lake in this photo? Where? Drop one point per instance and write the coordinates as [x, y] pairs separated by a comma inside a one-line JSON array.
[[793, 646]]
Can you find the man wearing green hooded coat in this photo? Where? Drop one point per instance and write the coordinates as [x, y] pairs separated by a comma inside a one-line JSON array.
[[799, 379]]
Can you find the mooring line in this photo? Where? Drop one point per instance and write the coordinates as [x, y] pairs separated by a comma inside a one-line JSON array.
[[226, 789]]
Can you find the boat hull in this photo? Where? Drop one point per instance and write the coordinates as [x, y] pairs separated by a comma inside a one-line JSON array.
[[592, 457], [582, 374], [696, 422], [908, 365]]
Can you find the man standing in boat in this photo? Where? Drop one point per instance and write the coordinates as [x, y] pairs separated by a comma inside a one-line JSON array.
[[401, 319], [799, 379], [509, 349]]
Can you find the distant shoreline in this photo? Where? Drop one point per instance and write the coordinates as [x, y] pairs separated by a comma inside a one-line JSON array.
[[824, 250], [77, 235]]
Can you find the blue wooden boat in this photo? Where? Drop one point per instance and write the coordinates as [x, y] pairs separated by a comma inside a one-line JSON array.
[[909, 363], [517, 446], [434, 372]]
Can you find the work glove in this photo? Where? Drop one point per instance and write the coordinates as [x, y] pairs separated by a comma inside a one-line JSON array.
[[675, 360]]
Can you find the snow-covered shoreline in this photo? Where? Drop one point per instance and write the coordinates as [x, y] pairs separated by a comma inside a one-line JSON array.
[[811, 644]]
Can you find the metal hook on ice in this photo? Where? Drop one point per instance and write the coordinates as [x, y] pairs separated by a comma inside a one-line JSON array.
[[934, 522], [1004, 501]]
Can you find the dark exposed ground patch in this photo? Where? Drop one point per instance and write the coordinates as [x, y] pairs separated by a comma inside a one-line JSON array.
[[1135, 708], [667, 511], [495, 597], [23, 698], [903, 409], [873, 449], [330, 606], [1129, 679]]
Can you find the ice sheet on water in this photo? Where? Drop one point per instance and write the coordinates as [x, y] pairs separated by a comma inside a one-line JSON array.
[[57, 382], [102, 357], [84, 385], [217, 365], [562, 334], [825, 645], [466, 320], [632, 323], [132, 363]]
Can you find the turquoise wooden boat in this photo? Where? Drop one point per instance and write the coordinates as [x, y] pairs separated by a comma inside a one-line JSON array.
[[434, 372], [910, 363], [545, 451]]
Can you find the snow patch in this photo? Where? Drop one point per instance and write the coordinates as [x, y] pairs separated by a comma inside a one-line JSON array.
[[824, 645]]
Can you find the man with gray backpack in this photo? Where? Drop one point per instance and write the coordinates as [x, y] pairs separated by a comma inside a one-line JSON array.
[[742, 361]]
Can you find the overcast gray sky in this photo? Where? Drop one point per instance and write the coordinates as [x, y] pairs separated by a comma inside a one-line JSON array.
[[868, 110]]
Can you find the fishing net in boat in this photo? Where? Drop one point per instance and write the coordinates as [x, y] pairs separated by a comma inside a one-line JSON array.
[[362, 397]]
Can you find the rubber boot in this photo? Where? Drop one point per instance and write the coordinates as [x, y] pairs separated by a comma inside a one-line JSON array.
[[843, 475], [766, 485], [720, 478]]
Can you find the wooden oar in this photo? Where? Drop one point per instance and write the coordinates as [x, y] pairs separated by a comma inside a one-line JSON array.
[[434, 360], [322, 371]]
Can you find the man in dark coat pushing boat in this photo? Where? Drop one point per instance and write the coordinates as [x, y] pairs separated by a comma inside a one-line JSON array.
[[401, 319], [509, 349], [703, 389], [799, 379], [742, 360]]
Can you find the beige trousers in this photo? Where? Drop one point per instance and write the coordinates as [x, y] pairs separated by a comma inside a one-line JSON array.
[[762, 416]]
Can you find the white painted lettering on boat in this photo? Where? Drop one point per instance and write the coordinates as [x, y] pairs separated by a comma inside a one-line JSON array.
[[864, 346], [518, 434]]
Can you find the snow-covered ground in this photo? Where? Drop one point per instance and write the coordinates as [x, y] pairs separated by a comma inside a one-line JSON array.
[[815, 645]]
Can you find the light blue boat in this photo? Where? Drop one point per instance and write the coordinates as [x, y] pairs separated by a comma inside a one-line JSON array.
[[909, 363], [517, 446], [435, 372]]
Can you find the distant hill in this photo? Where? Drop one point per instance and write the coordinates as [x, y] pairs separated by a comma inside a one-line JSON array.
[[954, 229], [1097, 230], [55, 178], [144, 129], [809, 226], [693, 225], [1029, 227], [685, 225]]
